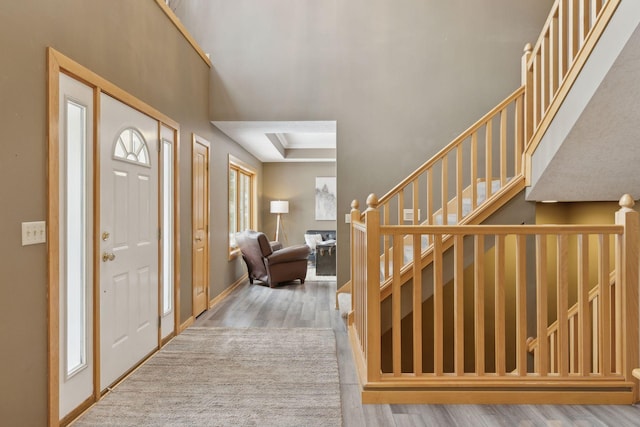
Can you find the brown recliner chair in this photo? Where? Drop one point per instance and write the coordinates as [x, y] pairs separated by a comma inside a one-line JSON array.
[[268, 262]]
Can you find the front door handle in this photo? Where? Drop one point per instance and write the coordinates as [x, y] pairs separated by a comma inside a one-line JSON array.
[[108, 256]]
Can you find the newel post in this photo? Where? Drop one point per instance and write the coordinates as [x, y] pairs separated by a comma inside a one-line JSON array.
[[372, 220], [527, 82], [626, 303], [355, 212]]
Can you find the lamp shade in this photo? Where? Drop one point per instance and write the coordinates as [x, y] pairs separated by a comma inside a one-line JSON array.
[[279, 206]]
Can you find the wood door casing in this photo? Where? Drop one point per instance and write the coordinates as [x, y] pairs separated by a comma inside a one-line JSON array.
[[200, 224], [59, 65]]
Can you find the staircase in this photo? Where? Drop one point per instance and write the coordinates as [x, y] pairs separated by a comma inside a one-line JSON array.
[[461, 178], [422, 267]]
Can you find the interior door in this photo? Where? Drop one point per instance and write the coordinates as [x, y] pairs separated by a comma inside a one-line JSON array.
[[129, 236], [200, 224]]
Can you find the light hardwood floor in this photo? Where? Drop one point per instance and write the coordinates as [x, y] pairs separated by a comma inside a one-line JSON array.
[[312, 306]]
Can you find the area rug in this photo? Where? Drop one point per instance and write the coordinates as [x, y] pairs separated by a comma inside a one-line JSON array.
[[230, 377]]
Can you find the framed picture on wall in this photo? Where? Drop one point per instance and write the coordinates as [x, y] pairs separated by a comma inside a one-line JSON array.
[[326, 199]]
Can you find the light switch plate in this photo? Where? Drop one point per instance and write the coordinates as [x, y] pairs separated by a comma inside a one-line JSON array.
[[34, 232], [408, 214], [347, 218]]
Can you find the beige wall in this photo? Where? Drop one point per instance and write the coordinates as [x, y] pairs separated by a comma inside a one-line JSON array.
[[294, 182], [132, 44], [401, 78], [224, 272]]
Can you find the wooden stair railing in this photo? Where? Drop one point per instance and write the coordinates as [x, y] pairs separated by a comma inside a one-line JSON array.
[[380, 238], [475, 194], [497, 363], [464, 183], [548, 71], [581, 316], [550, 68]]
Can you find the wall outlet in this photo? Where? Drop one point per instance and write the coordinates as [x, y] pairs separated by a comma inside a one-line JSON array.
[[34, 232]]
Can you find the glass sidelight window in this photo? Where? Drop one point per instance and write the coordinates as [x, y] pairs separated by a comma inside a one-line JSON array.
[[167, 227], [76, 228]]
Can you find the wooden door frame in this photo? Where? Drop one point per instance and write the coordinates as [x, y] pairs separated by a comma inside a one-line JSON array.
[[58, 63], [196, 139]]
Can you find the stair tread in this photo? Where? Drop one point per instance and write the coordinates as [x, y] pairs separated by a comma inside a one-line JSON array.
[[481, 195], [452, 219]]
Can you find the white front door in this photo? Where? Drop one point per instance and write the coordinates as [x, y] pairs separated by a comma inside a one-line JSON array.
[[128, 238]]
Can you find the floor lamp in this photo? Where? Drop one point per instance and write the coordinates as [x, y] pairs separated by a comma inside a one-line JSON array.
[[280, 207]]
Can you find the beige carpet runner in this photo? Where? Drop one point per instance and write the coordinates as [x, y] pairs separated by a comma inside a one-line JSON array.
[[230, 377]]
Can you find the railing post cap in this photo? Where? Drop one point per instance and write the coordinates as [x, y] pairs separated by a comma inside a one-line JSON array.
[[372, 201], [626, 202], [528, 48], [355, 204]]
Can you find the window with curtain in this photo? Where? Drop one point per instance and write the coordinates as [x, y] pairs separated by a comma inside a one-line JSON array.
[[241, 200]]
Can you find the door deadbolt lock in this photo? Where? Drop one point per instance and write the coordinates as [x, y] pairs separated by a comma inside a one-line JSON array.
[[108, 257], [105, 236]]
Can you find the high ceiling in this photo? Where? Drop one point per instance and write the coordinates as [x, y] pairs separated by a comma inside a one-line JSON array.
[[279, 141], [400, 74]]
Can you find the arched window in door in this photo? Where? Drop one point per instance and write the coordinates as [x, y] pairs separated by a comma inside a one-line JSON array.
[[131, 147]]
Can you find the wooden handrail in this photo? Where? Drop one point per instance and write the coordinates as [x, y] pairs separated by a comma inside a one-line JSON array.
[[468, 230], [474, 196], [568, 37], [183, 30], [532, 343], [451, 146], [566, 6], [497, 200], [583, 356], [565, 362]]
